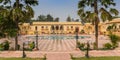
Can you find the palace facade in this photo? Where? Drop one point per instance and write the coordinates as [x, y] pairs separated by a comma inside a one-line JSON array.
[[66, 27]]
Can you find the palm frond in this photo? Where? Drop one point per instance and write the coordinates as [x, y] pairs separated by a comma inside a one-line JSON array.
[[31, 2], [81, 4], [29, 11], [114, 11], [105, 15]]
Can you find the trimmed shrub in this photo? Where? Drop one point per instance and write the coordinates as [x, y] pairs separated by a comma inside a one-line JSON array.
[[81, 46], [82, 31], [6, 45], [114, 40], [94, 45], [1, 47], [32, 45], [108, 46]]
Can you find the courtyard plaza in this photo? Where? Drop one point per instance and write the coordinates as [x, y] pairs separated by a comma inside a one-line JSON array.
[[60, 49], [61, 43]]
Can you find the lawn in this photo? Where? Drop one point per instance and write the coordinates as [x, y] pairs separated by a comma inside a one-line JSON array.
[[21, 59], [98, 58]]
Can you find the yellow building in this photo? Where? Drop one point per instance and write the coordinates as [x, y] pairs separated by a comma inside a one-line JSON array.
[[53, 28], [66, 27], [116, 30]]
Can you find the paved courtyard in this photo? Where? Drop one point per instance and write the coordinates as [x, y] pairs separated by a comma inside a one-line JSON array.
[[68, 45], [61, 49]]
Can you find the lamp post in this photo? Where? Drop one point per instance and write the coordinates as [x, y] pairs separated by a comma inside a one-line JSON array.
[[87, 52], [23, 55], [36, 32], [76, 31]]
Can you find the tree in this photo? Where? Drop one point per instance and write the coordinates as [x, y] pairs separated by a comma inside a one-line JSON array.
[[41, 18], [8, 27], [1, 33], [72, 20], [19, 11], [114, 40], [56, 19], [68, 19], [111, 28], [77, 20], [49, 18], [100, 9]]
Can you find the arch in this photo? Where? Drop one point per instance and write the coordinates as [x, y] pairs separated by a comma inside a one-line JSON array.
[[61, 27], [52, 27], [57, 27]]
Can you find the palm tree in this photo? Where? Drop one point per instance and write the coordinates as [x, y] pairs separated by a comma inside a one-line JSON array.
[[111, 28], [20, 11], [8, 27], [5, 23], [94, 10]]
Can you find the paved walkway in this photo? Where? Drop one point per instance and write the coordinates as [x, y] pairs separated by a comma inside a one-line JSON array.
[[61, 49], [59, 55], [67, 45]]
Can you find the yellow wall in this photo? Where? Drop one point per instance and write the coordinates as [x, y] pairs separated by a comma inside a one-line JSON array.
[[68, 27]]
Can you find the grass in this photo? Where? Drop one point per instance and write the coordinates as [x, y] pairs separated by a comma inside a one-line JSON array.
[[22, 59], [97, 58]]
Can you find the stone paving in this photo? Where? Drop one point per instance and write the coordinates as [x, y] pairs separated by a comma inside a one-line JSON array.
[[61, 49], [59, 55], [67, 45]]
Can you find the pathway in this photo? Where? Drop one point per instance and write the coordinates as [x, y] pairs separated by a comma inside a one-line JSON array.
[[60, 50], [59, 55]]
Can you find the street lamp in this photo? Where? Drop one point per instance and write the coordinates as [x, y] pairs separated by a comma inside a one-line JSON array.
[[23, 55], [36, 32], [76, 31], [87, 52]]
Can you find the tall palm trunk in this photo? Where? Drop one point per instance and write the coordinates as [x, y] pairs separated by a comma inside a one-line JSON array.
[[16, 42], [17, 27], [96, 24], [17, 3], [16, 38]]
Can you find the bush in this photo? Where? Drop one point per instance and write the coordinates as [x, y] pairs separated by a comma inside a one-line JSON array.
[[6, 45], [82, 31], [2, 35], [108, 46], [115, 45], [32, 45], [27, 49], [11, 49], [94, 45], [81, 46], [114, 40], [1, 47]]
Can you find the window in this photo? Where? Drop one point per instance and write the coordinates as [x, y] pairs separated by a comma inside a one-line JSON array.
[[61, 27], [57, 27], [35, 27], [67, 27], [52, 27], [46, 27], [42, 27]]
